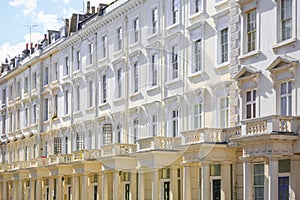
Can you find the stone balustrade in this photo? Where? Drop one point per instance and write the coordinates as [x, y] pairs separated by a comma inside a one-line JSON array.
[[158, 143], [270, 124], [118, 149], [210, 135]]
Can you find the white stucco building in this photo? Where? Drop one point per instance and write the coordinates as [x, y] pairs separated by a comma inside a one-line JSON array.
[[173, 99]]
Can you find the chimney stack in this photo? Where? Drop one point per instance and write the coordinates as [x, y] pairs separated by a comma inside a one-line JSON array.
[[93, 9], [101, 9], [88, 7], [26, 45]]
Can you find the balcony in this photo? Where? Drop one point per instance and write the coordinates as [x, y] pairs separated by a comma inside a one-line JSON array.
[[86, 155], [5, 167], [118, 149], [60, 159], [271, 124], [158, 143], [210, 135], [38, 162]]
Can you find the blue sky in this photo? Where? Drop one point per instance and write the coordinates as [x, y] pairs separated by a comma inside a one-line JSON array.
[[16, 15]]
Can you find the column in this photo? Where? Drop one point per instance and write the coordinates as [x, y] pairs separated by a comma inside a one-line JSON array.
[[32, 186], [141, 186], [273, 179], [116, 186], [133, 185], [75, 187], [205, 182], [295, 178], [99, 191], [155, 184], [174, 183], [247, 171], [104, 186], [38, 192], [225, 181], [59, 190], [20, 194], [187, 190], [85, 186], [51, 187], [4, 190]]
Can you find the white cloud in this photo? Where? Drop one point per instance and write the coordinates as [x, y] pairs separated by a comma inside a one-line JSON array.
[[28, 5], [9, 51], [48, 21], [66, 1]]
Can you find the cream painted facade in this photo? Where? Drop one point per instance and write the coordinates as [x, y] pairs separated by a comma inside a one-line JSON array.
[[148, 99]]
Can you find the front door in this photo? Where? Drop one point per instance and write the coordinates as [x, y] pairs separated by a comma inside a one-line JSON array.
[[283, 188], [166, 190], [216, 189]]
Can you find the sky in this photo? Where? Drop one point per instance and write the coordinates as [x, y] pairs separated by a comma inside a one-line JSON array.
[[19, 16]]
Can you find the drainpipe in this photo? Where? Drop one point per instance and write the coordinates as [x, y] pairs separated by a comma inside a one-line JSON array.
[[162, 77], [96, 80], [126, 76]]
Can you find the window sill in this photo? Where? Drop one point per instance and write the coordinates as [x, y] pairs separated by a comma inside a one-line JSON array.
[[77, 113], [291, 41], [118, 53], [172, 26], [103, 105], [65, 77], [90, 109], [135, 95], [249, 55], [173, 82], [103, 60], [66, 117], [221, 4], [221, 68], [118, 100], [153, 35], [153, 89], [195, 74], [201, 15]]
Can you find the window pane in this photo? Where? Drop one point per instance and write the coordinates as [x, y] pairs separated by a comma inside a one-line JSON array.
[[284, 166]]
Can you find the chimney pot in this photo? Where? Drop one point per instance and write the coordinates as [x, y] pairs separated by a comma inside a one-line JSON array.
[[45, 36], [26, 45]]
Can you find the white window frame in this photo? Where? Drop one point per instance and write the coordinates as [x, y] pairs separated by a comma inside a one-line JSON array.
[[135, 77], [104, 88], [78, 60], [175, 123], [251, 30], [224, 51], [104, 46], [26, 84], [90, 92], [222, 23], [226, 110], [196, 7], [252, 103], [281, 20], [119, 133], [258, 186], [119, 42], [153, 70], [135, 130], [288, 111], [46, 109], [46, 76], [174, 62], [136, 30], [198, 115], [90, 53], [55, 105], [119, 83], [66, 66], [197, 54], [55, 71], [66, 102], [34, 80], [154, 125], [154, 20], [175, 11], [78, 96], [34, 113]]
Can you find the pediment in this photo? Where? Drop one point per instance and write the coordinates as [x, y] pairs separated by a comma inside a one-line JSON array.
[[247, 72], [282, 63]]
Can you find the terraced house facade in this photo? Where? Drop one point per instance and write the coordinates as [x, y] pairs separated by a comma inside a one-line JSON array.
[[150, 99]]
